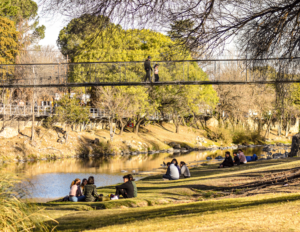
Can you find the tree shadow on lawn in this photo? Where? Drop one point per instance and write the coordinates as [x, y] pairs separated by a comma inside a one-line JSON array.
[[100, 219]]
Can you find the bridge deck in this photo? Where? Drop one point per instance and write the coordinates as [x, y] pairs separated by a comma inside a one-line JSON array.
[[145, 84]]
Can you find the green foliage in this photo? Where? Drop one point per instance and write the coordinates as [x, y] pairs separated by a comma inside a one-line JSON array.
[[25, 14], [27, 9], [295, 95], [8, 41], [247, 137], [6, 8], [70, 112]]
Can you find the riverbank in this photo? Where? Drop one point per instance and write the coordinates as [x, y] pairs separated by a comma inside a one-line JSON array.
[[263, 192], [156, 138]]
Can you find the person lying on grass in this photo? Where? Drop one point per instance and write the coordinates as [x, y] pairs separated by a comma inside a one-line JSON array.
[[172, 172], [228, 162], [134, 185], [236, 160], [90, 190], [184, 170], [126, 189], [75, 192]]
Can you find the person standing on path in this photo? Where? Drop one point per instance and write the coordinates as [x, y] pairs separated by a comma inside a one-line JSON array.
[[148, 69], [156, 73]]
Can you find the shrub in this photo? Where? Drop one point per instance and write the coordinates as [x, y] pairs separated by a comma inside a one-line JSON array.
[[15, 214], [247, 137], [219, 135]]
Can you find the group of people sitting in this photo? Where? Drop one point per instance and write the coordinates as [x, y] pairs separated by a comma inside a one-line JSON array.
[[174, 171], [87, 190], [239, 158]]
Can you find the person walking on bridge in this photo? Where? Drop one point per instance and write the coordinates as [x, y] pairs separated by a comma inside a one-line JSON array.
[[148, 69]]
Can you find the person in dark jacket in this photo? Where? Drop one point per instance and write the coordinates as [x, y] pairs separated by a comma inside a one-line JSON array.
[[90, 191], [228, 162], [134, 185], [148, 69], [236, 160], [126, 189], [156, 79]]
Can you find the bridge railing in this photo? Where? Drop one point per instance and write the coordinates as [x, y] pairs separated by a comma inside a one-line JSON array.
[[239, 70], [47, 111]]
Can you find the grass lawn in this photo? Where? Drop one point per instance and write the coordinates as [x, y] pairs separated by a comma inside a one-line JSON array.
[[251, 197]]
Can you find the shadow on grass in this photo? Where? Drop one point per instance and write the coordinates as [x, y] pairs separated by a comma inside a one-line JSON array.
[[99, 219]]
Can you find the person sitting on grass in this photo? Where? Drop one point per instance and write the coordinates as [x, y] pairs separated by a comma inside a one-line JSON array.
[[175, 162], [90, 190], [184, 170], [172, 172], [134, 185], [75, 193], [126, 189], [242, 157], [236, 160], [228, 162], [83, 183]]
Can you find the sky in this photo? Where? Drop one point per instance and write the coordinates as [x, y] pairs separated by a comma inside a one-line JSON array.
[[53, 27]]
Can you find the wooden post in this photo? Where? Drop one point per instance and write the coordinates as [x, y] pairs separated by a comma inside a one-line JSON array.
[[246, 69]]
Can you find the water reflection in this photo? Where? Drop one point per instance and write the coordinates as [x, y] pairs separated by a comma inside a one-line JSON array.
[[51, 179], [115, 165]]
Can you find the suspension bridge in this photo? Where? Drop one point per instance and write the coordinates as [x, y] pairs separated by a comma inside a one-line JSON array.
[[181, 72]]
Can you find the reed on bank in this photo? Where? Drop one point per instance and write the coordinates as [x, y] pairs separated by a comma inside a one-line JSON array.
[[15, 213]]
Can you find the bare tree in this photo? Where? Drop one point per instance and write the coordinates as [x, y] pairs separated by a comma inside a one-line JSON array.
[[115, 102], [238, 102], [263, 27]]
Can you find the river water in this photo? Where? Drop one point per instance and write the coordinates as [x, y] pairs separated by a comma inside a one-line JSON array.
[[47, 180]]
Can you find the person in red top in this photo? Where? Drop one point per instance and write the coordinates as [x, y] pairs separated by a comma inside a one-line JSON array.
[[242, 157]]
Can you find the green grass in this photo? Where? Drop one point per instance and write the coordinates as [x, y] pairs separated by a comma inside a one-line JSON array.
[[190, 204]]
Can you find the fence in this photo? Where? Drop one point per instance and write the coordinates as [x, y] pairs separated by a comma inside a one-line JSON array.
[[95, 113]]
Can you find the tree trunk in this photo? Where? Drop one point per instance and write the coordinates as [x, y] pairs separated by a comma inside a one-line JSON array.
[[202, 124], [287, 129], [111, 132], [177, 129], [195, 121], [259, 126], [122, 125], [267, 134], [139, 120], [280, 126], [137, 126], [183, 121], [177, 123], [66, 135]]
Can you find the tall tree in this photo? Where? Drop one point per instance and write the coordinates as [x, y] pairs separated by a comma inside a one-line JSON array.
[[9, 43]]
